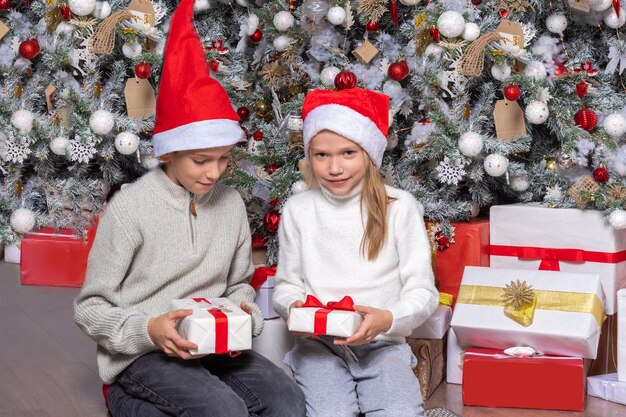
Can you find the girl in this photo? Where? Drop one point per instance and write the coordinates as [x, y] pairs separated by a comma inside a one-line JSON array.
[[355, 236]]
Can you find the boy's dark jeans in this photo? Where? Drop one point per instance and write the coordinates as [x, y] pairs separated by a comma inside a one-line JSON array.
[[156, 385]]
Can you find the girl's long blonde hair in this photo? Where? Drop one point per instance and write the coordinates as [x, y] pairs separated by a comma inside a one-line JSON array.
[[376, 201]]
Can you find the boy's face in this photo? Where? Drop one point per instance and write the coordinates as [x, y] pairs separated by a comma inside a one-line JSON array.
[[197, 170], [338, 163]]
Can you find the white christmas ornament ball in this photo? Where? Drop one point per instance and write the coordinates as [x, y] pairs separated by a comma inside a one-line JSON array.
[[327, 76], [474, 209], [495, 164], [615, 125], [471, 31], [537, 112], [103, 10], [299, 187], [23, 121], [283, 20], [336, 15], [131, 49], [409, 2], [600, 5], [519, 184], [22, 220], [59, 145], [470, 143], [101, 122], [500, 71], [451, 24], [611, 19], [126, 143], [82, 7], [617, 219], [435, 50], [392, 88], [201, 6], [536, 70], [253, 23], [556, 23], [282, 42]]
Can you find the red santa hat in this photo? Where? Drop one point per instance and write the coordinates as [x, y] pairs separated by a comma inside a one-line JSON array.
[[192, 109], [359, 115]]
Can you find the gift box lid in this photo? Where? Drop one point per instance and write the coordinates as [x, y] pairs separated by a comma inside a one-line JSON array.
[[534, 225]]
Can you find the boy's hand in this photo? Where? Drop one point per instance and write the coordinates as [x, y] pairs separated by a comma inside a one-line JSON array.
[[162, 331], [375, 322]]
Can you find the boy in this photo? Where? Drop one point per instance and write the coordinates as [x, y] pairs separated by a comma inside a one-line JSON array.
[[177, 233]]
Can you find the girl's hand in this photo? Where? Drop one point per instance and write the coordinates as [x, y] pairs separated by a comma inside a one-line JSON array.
[[298, 304], [245, 307], [163, 333], [375, 322]]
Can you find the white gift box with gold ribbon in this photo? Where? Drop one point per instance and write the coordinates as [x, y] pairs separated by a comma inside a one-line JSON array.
[[556, 313]]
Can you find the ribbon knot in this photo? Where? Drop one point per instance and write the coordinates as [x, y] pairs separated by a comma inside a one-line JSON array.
[[520, 302], [321, 315], [260, 276]]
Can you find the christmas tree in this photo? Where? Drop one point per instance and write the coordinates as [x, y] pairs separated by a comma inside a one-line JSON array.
[[492, 102]]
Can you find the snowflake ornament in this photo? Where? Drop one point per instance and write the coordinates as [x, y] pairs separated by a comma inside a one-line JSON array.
[[82, 151], [554, 193], [16, 151], [449, 172], [81, 57]]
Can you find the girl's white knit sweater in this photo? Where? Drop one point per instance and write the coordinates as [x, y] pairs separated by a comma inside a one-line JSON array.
[[320, 236]]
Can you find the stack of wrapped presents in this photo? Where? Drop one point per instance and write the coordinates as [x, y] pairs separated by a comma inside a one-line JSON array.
[[544, 313]]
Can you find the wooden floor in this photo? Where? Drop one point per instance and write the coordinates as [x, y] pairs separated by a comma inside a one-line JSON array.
[[48, 369]]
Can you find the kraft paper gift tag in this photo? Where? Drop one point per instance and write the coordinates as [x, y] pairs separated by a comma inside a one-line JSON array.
[[143, 11], [513, 33], [366, 52], [580, 6], [509, 120], [140, 98], [4, 29]]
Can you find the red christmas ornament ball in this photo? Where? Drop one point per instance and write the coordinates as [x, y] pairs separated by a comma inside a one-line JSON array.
[[276, 56], [586, 119], [243, 113], [256, 36], [344, 80], [560, 70], [4, 4], [600, 174], [398, 71], [143, 70], [503, 13], [512, 92], [581, 89], [257, 135], [29, 48], [271, 169], [66, 11], [371, 26], [477, 2], [271, 221]]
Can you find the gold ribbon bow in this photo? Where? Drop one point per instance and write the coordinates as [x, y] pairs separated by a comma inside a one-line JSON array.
[[520, 302]]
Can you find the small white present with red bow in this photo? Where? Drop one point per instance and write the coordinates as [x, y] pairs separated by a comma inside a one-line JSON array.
[[333, 319]]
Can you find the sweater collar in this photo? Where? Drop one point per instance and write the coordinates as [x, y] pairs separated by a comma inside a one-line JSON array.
[[352, 198], [174, 194]]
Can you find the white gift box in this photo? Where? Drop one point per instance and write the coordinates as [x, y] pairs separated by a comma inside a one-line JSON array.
[[607, 387], [274, 343], [454, 359], [216, 325], [567, 318], [436, 326], [621, 335], [12, 253], [339, 323], [264, 298], [529, 234]]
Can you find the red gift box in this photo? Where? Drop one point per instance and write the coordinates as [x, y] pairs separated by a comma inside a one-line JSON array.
[[55, 257], [492, 379], [470, 248]]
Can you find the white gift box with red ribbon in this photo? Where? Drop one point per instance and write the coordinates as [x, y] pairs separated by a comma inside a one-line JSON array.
[[217, 325], [530, 236], [332, 319]]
